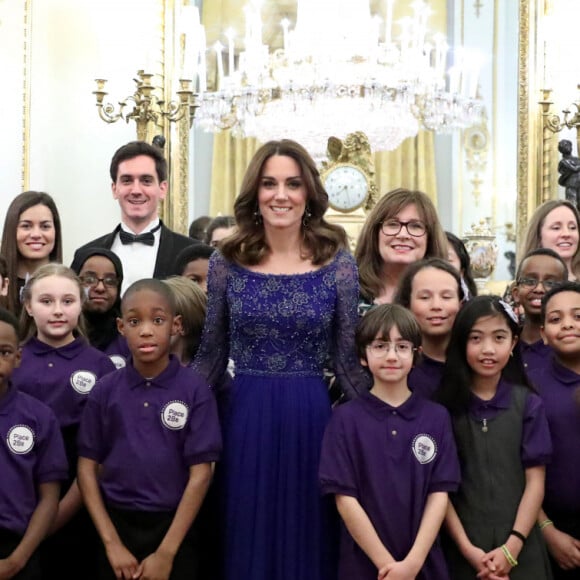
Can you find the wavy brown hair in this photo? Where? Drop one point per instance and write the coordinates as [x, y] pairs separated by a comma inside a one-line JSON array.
[[248, 246], [368, 257], [9, 247], [534, 229]]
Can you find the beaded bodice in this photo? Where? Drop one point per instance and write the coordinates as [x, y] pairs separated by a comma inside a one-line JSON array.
[[282, 325]]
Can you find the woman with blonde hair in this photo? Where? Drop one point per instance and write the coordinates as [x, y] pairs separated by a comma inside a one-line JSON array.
[[401, 229], [555, 225], [282, 294]]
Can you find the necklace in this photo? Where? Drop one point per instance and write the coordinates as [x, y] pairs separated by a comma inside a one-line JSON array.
[[484, 427]]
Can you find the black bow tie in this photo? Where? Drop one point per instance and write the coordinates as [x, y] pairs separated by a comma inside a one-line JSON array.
[[147, 238]]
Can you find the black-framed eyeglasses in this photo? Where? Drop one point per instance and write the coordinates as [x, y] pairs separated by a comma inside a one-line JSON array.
[[533, 282], [393, 226], [92, 280]]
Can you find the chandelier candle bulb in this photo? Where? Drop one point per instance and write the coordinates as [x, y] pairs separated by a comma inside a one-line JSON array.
[[285, 23], [230, 34], [389, 22], [202, 63], [218, 47]]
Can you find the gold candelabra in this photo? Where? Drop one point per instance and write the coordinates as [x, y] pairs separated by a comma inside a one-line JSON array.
[[554, 123], [148, 108]]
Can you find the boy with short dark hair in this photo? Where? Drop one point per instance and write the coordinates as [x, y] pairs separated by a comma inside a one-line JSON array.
[[538, 272], [153, 428], [389, 459], [32, 463]]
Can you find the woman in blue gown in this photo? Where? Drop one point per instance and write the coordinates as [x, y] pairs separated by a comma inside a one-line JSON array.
[[282, 299]]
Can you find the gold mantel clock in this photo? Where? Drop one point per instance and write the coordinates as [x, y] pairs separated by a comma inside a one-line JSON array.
[[348, 177]]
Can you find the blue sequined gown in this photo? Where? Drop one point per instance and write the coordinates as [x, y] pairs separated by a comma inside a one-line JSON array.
[[279, 330]]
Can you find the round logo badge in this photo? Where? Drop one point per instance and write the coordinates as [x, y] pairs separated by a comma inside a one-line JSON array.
[[20, 439], [83, 381], [174, 415], [424, 448], [118, 361]]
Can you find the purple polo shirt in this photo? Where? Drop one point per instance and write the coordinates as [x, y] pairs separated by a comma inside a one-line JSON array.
[[147, 433], [536, 447], [118, 351], [425, 376], [559, 389], [61, 377], [390, 459], [535, 357], [31, 453]]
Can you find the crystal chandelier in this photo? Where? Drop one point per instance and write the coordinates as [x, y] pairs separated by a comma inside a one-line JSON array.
[[340, 70]]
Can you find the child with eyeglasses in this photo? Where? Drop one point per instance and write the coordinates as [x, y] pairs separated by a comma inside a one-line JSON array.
[[389, 459], [101, 274], [539, 271]]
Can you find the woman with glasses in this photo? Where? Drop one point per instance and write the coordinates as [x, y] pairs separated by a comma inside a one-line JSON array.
[[401, 229], [101, 274]]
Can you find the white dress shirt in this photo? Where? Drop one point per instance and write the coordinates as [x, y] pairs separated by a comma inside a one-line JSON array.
[[138, 259]]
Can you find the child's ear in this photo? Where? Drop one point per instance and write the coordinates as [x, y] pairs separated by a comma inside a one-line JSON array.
[[177, 326], [363, 362], [543, 335], [516, 294], [4, 287], [18, 358], [514, 342], [120, 326], [27, 307]]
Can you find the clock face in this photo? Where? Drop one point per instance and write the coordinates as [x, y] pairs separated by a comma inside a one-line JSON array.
[[347, 187]]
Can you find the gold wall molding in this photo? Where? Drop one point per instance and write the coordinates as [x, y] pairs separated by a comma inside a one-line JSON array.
[[176, 208], [527, 172]]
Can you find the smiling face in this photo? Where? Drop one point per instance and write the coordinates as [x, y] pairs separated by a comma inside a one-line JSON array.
[[35, 234], [138, 191], [148, 323], [489, 346], [559, 232], [434, 301], [101, 284], [402, 248], [55, 305], [561, 328], [387, 366], [281, 194], [541, 269]]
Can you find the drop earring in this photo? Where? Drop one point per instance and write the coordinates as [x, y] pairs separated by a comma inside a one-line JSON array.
[[306, 217]]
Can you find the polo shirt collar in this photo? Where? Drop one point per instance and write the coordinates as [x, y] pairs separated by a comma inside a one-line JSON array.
[[69, 351], [381, 410], [162, 380], [564, 374], [501, 399]]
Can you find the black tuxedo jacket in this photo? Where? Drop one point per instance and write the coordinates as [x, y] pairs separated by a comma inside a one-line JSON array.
[[170, 244]]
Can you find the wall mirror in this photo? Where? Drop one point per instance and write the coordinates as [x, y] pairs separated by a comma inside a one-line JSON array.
[[476, 170]]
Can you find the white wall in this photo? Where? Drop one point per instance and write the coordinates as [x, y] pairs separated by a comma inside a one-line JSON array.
[[73, 42]]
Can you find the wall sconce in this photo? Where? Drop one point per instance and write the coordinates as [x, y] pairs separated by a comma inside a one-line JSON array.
[[147, 106]]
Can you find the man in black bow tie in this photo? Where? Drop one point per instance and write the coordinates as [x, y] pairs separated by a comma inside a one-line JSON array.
[[145, 246]]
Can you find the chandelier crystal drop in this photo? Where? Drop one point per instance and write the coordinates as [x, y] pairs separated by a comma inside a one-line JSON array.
[[340, 70]]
